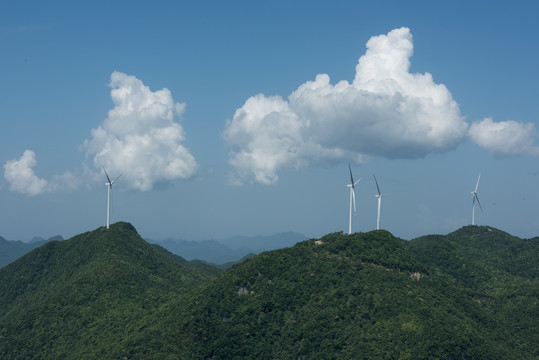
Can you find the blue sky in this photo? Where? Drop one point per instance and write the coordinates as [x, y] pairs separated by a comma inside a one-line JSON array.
[[217, 116]]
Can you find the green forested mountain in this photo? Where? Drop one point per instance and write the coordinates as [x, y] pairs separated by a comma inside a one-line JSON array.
[[84, 297], [342, 297], [499, 271], [108, 294]]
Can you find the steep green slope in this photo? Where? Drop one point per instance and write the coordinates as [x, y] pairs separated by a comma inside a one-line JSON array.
[[12, 250], [83, 297], [343, 297], [497, 270]]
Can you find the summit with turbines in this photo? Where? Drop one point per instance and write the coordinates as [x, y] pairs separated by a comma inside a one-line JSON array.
[[379, 195]]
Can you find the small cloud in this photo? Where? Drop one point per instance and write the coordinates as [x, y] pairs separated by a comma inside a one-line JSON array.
[[21, 177], [233, 180], [505, 138], [386, 111], [140, 137], [66, 181]]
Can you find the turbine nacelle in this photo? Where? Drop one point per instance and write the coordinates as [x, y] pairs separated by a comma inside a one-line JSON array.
[[109, 183], [352, 183]]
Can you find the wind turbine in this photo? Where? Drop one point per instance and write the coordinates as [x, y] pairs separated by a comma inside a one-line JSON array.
[[352, 187], [109, 189], [379, 196], [474, 196]]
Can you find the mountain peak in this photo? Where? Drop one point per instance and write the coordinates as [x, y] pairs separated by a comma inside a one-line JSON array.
[[477, 229], [102, 255], [102, 281], [378, 247]]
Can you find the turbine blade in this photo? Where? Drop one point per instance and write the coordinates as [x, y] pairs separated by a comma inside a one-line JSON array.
[[377, 187], [351, 177], [107, 175], [475, 197], [477, 185], [113, 181]]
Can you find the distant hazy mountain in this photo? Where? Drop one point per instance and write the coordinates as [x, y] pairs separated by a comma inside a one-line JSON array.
[[41, 239], [264, 243], [11, 250], [230, 249]]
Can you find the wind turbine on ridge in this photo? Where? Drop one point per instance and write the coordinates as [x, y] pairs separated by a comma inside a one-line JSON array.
[[379, 196], [475, 197], [352, 187], [109, 189]]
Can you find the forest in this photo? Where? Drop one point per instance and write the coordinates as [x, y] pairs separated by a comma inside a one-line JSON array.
[[108, 294]]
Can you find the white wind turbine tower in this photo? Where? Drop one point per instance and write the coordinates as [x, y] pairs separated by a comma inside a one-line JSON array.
[[379, 196], [109, 189], [474, 196], [352, 187]]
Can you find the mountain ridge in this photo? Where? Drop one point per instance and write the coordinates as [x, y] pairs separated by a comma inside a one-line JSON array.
[[358, 296], [499, 271], [110, 294]]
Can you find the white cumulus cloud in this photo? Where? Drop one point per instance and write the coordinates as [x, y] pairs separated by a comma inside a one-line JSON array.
[[140, 136], [386, 111], [505, 138], [22, 178]]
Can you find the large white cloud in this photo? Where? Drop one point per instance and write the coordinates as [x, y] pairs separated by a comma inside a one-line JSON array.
[[386, 111], [21, 176], [505, 138], [140, 137]]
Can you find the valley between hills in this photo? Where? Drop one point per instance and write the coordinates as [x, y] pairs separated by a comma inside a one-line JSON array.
[[109, 294]]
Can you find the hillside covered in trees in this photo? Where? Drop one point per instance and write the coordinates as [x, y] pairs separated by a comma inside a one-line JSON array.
[[108, 294], [11, 250]]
